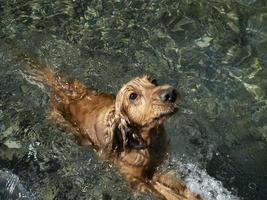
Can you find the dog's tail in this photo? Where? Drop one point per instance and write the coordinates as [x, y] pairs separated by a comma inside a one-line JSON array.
[[38, 74], [47, 77]]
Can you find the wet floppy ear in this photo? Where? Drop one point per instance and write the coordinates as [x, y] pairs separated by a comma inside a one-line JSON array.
[[118, 102], [122, 121], [119, 109]]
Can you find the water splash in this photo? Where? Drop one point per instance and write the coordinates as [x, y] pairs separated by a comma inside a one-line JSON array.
[[200, 182]]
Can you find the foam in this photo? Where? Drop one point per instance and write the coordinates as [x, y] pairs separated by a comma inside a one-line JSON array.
[[198, 181]]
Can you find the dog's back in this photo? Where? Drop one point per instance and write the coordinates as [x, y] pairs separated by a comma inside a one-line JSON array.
[[85, 109]]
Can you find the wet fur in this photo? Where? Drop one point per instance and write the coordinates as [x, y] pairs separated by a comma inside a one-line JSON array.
[[136, 145]]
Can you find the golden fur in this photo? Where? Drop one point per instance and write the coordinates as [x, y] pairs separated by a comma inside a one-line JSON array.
[[126, 129]]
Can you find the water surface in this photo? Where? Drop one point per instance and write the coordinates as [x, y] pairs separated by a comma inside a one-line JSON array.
[[214, 51]]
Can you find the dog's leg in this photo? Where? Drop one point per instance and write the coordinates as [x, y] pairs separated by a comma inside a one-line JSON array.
[[159, 190], [167, 192], [168, 183], [143, 186]]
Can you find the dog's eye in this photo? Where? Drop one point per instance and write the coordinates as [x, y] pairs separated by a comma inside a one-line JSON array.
[[154, 82], [133, 96]]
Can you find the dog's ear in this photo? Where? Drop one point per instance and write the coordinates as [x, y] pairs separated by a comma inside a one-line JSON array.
[[120, 113], [119, 109], [114, 142], [122, 121], [118, 129]]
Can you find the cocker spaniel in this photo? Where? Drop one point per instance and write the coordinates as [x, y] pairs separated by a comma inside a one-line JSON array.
[[126, 129]]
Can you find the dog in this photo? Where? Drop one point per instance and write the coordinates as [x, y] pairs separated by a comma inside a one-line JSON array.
[[126, 130]]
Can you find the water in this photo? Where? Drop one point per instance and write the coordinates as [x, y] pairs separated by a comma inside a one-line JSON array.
[[215, 52]]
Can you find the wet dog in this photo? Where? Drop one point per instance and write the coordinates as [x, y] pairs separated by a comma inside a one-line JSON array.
[[126, 129]]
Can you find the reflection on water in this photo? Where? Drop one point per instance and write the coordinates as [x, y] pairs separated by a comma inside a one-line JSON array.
[[215, 52]]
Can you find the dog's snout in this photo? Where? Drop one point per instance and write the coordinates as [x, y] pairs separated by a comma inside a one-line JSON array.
[[169, 95]]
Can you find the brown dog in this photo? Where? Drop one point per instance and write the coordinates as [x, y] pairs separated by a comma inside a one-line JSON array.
[[127, 130]]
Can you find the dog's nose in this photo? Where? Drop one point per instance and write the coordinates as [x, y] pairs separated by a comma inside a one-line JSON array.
[[169, 95]]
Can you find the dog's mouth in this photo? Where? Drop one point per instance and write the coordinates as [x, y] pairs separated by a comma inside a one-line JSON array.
[[165, 113], [168, 113]]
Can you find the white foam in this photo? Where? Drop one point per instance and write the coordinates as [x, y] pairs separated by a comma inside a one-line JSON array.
[[198, 181]]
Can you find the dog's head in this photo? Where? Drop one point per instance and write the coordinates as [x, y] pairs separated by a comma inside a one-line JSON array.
[[143, 102]]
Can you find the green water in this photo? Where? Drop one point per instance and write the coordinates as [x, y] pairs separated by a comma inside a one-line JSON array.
[[213, 51]]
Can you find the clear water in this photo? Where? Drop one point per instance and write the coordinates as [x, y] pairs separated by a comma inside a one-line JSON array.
[[214, 51]]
